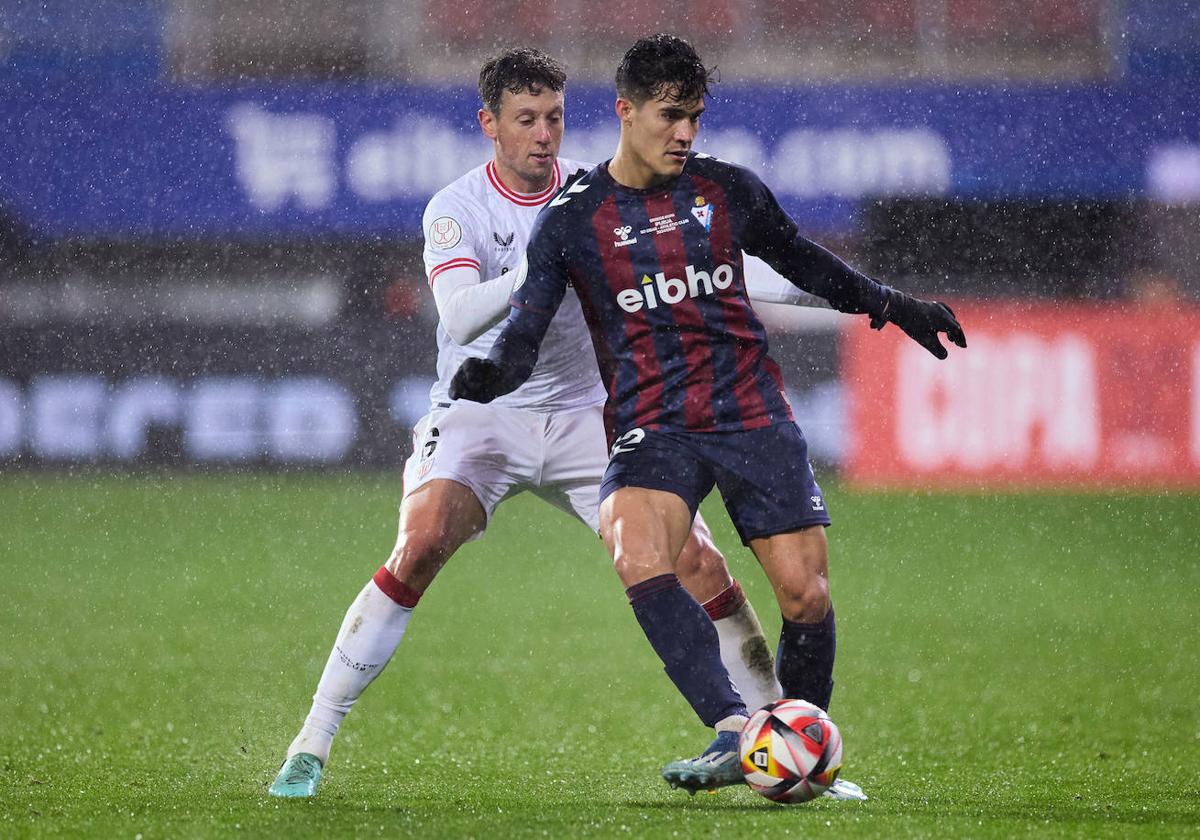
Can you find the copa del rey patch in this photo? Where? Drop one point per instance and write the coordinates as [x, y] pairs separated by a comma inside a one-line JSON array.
[[444, 233]]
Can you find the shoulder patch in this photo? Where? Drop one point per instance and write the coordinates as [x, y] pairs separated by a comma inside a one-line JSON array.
[[572, 187], [444, 233]]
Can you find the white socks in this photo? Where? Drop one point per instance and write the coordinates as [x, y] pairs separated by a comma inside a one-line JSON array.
[[747, 657], [370, 633]]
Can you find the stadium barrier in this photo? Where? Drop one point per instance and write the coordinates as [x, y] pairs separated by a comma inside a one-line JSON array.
[[1048, 394]]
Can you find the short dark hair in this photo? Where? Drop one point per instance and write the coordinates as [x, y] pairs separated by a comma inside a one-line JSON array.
[[517, 71], [662, 65]]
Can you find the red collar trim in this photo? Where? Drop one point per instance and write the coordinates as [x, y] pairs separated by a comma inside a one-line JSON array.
[[523, 199]]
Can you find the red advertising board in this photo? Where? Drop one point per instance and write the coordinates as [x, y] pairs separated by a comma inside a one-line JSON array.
[[1046, 394]]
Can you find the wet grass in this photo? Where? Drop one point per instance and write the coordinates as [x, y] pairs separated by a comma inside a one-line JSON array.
[[1008, 665]]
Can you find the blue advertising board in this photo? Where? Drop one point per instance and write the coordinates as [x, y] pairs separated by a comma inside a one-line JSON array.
[[106, 159]]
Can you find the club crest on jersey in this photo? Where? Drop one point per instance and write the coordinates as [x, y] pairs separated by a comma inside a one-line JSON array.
[[505, 242], [427, 450], [661, 289], [444, 233], [703, 211], [622, 234]]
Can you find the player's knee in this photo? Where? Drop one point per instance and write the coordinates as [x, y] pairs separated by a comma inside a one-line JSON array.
[[806, 602], [636, 566], [702, 566], [418, 556]]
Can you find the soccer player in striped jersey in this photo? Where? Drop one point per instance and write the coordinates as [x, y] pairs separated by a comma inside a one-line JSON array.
[[546, 436], [651, 244]]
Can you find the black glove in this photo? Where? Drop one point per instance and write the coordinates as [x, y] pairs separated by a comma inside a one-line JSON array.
[[478, 380], [921, 320]]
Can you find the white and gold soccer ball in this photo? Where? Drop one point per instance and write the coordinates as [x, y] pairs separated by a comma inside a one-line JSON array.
[[791, 751]]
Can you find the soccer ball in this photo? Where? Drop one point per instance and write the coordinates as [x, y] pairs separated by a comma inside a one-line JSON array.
[[791, 751]]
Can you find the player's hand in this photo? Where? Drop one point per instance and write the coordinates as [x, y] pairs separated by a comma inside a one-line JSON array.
[[478, 380], [921, 320]]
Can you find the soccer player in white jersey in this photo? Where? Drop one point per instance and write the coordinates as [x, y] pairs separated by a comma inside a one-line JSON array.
[[546, 437]]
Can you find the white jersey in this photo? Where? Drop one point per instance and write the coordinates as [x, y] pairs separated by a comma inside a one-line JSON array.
[[477, 222]]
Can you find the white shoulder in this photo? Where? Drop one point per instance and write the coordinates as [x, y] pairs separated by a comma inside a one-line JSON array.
[[568, 167], [461, 197], [452, 217]]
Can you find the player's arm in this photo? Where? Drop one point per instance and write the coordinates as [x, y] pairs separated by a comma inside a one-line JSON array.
[[533, 304], [774, 237], [765, 285], [468, 306]]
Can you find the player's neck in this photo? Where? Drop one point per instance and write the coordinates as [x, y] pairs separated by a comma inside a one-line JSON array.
[[517, 182], [628, 170]]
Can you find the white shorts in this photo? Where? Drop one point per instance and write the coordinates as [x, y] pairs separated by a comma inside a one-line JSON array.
[[499, 452]]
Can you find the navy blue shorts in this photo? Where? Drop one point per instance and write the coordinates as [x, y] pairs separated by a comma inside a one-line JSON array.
[[763, 475]]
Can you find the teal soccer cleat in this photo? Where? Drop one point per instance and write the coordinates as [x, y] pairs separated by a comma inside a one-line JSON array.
[[719, 766], [298, 777]]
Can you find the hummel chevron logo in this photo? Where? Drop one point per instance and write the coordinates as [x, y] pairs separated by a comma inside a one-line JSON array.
[[566, 195]]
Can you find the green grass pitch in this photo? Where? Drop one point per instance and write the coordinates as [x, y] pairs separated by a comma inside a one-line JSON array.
[[1009, 665]]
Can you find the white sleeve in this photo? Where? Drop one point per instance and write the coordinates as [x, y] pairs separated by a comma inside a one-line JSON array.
[[468, 307], [452, 267], [766, 285]]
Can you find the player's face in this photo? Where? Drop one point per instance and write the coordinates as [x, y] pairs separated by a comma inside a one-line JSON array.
[[660, 132], [526, 133]]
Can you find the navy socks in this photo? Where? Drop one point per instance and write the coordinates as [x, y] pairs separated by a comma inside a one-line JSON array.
[[804, 660], [684, 638]]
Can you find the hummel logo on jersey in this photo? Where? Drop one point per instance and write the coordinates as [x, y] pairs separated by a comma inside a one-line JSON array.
[[817, 503], [671, 290], [503, 241], [622, 234]]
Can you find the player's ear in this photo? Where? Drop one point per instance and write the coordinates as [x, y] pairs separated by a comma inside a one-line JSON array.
[[487, 122], [624, 109]]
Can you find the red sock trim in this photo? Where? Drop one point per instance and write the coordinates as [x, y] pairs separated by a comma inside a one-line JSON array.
[[651, 586], [397, 590], [726, 603]]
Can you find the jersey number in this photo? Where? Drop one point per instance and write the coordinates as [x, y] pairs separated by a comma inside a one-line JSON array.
[[627, 441]]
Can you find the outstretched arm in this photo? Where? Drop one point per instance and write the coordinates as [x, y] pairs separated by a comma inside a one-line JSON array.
[[776, 239]]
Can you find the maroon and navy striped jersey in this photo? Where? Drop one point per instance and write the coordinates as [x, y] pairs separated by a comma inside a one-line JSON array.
[[659, 275]]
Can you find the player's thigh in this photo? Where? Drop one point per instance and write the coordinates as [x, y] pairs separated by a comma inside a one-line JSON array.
[[667, 475], [644, 530], [490, 450], [797, 564], [766, 481], [435, 520]]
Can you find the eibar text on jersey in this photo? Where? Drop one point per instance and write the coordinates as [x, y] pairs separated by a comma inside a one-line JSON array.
[[671, 290]]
